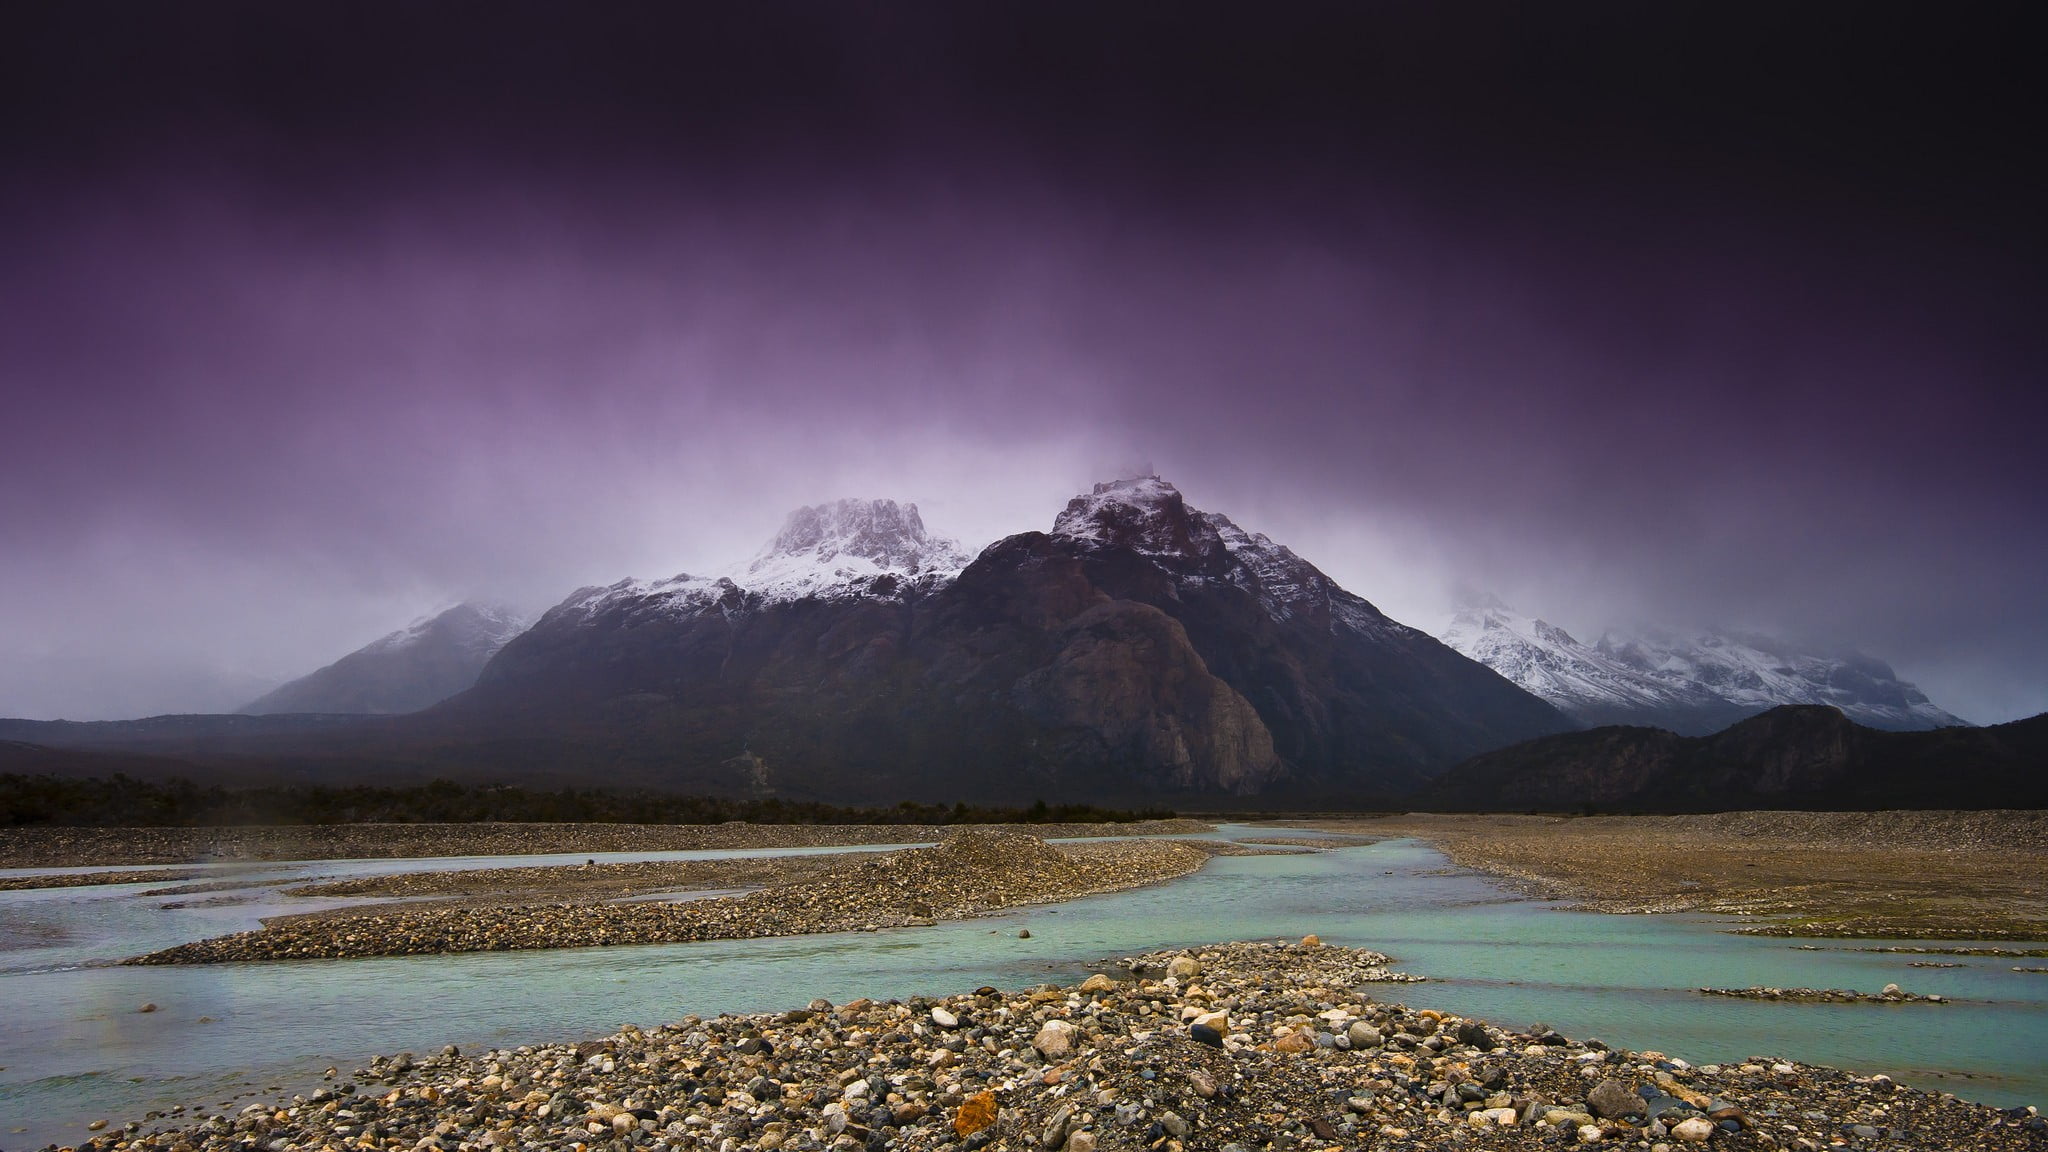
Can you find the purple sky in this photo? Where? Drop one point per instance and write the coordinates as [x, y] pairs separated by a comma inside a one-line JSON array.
[[313, 319]]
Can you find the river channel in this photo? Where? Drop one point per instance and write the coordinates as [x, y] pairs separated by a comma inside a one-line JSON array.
[[75, 1048]]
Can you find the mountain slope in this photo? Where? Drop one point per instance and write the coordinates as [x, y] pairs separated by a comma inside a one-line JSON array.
[[405, 671], [1691, 684], [1793, 756], [1139, 648]]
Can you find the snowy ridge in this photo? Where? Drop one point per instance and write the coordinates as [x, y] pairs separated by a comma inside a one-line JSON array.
[[1546, 660], [1692, 684], [848, 547], [1149, 516], [483, 628], [1759, 672], [873, 548]]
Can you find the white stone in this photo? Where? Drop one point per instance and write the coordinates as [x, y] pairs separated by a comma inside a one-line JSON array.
[[1694, 1129]]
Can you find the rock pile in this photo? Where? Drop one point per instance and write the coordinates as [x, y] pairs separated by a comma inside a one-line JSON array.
[[973, 872], [1301, 1057]]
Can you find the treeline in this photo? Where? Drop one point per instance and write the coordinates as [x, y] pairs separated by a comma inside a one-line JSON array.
[[121, 801]]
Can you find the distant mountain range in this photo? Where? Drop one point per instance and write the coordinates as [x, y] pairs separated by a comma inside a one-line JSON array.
[[411, 669], [1141, 648], [1691, 684], [1794, 756], [1141, 651]]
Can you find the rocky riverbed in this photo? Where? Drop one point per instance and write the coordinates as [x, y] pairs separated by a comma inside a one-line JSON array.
[[1235, 1048], [40, 847], [971, 873]]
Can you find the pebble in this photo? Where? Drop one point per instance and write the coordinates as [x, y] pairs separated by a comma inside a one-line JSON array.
[[1694, 1130]]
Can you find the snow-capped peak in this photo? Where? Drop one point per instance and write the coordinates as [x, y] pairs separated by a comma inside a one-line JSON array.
[[849, 543], [845, 548], [1144, 513]]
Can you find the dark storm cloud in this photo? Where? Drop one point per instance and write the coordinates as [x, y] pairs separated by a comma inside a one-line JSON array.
[[315, 318]]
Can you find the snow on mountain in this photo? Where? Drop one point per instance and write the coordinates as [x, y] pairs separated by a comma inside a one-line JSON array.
[[1759, 672], [1591, 685], [415, 667], [873, 548], [478, 628], [851, 546], [1149, 516], [1692, 684]]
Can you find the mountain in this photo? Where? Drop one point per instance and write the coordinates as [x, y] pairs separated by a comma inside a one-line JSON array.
[[1587, 683], [1758, 672], [1140, 649], [406, 671], [1792, 756], [1692, 685]]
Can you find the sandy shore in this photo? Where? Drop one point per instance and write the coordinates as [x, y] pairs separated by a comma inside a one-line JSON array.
[[100, 847], [1235, 1048], [969, 874], [1905, 875]]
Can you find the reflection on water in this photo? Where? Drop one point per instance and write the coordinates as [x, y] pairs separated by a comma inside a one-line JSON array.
[[76, 1045]]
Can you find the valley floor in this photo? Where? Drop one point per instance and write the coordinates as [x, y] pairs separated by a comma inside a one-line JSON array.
[[1897, 875]]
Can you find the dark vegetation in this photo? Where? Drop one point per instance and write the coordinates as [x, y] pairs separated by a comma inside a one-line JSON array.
[[1791, 757], [121, 801]]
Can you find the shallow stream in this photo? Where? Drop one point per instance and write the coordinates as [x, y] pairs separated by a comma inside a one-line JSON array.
[[74, 1048]]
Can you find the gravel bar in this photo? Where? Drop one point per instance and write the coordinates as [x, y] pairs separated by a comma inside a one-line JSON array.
[[1235, 1048], [969, 874]]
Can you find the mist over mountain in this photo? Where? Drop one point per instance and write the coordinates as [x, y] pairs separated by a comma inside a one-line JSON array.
[[1141, 650], [408, 670], [1692, 683]]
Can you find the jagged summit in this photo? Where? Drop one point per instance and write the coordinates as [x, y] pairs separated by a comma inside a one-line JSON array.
[[847, 544], [1149, 516], [848, 548], [1144, 513]]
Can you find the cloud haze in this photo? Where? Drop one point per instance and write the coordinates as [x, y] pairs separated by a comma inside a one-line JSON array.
[[290, 357]]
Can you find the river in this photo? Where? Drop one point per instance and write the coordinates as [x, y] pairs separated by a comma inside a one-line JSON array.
[[75, 1047]]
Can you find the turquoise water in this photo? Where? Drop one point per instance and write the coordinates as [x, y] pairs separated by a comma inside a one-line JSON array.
[[76, 1049]]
